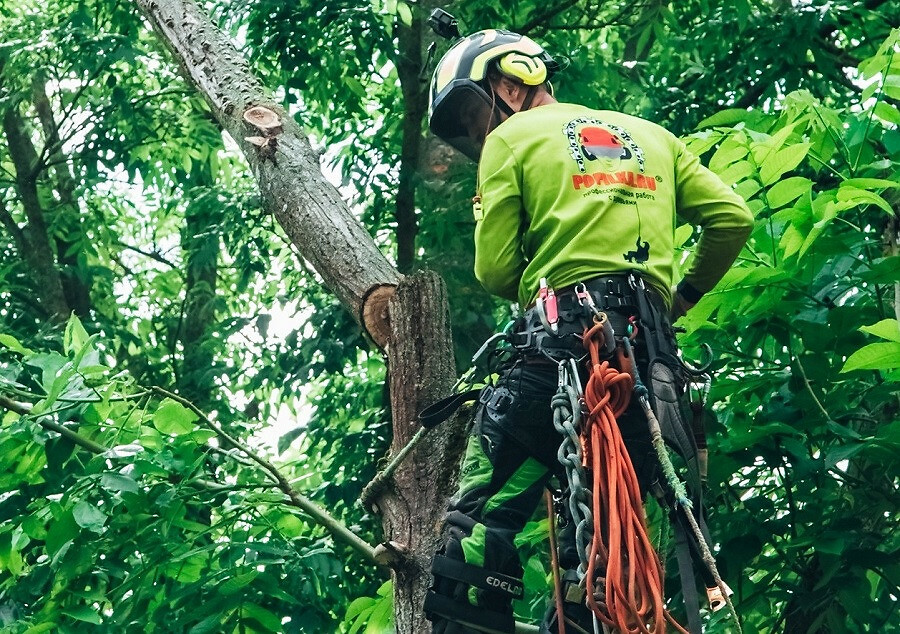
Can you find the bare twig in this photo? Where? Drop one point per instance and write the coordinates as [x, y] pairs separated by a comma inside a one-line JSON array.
[[808, 386], [320, 515]]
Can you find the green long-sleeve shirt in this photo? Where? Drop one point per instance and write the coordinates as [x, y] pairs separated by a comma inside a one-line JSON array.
[[569, 193]]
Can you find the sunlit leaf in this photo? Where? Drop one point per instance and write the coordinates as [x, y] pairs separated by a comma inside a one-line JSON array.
[[886, 329], [875, 356], [173, 418], [782, 161]]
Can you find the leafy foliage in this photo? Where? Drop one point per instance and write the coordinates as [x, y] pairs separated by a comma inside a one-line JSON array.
[[807, 329]]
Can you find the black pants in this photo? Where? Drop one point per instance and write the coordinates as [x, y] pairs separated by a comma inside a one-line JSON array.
[[510, 457]]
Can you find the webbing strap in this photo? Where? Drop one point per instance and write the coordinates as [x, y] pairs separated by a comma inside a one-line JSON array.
[[686, 573], [477, 576], [437, 413]]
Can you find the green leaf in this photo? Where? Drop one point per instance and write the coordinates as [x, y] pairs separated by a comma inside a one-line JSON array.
[[887, 112], [212, 623], [354, 85], [386, 589], [173, 418], [13, 344], [783, 161], [736, 172], [89, 516], [791, 241], [261, 615], [886, 329], [783, 192], [832, 546], [381, 619], [83, 613], [75, 335], [682, 234], [868, 183], [405, 13], [829, 214], [237, 582], [290, 525], [727, 117], [118, 483], [729, 152], [747, 189], [356, 611], [62, 531], [875, 356], [863, 197]]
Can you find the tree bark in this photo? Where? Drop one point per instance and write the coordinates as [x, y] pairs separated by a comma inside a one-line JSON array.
[[421, 364], [201, 249], [76, 289], [415, 94], [326, 233]]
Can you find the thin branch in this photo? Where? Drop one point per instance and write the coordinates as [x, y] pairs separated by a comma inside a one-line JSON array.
[[808, 386], [545, 16], [320, 515], [25, 409], [153, 255], [15, 406], [788, 489], [13, 227]]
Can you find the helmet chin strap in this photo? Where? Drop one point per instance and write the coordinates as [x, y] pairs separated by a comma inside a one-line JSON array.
[[500, 102], [526, 103]]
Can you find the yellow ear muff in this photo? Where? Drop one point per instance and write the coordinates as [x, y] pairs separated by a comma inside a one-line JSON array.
[[530, 70]]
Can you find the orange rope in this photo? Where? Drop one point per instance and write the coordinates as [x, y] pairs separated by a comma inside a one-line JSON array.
[[631, 599]]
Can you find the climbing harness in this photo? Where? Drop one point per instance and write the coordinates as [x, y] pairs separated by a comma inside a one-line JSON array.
[[619, 576], [631, 595]]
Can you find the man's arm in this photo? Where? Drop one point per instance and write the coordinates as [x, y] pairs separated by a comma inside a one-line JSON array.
[[725, 220], [499, 261]]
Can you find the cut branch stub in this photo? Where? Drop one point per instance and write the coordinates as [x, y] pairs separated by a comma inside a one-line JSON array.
[[266, 121], [375, 316], [265, 147]]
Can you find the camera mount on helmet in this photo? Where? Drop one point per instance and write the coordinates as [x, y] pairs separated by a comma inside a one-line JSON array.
[[444, 24]]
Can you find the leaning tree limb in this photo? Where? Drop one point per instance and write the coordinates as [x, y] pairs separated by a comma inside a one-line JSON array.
[[293, 188]]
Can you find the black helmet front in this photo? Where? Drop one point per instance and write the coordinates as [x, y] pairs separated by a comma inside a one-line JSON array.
[[459, 89]]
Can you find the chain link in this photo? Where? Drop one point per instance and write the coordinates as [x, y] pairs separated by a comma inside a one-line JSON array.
[[567, 418]]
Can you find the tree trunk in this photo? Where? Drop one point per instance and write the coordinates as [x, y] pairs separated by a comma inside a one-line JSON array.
[[75, 279], [38, 252], [409, 69], [415, 323], [201, 249], [421, 362], [293, 188]]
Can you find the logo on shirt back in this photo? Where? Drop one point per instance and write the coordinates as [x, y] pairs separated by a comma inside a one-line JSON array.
[[611, 169]]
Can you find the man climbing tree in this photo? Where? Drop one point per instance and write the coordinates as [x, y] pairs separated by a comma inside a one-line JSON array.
[[563, 193]]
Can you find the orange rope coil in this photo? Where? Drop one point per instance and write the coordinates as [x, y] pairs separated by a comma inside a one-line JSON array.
[[631, 599]]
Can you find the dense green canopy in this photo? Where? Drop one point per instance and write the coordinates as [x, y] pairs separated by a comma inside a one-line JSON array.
[[171, 368]]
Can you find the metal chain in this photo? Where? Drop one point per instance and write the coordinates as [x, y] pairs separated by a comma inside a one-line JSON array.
[[567, 417]]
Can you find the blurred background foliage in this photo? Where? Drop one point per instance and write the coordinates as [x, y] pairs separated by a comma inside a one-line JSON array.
[[136, 262]]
